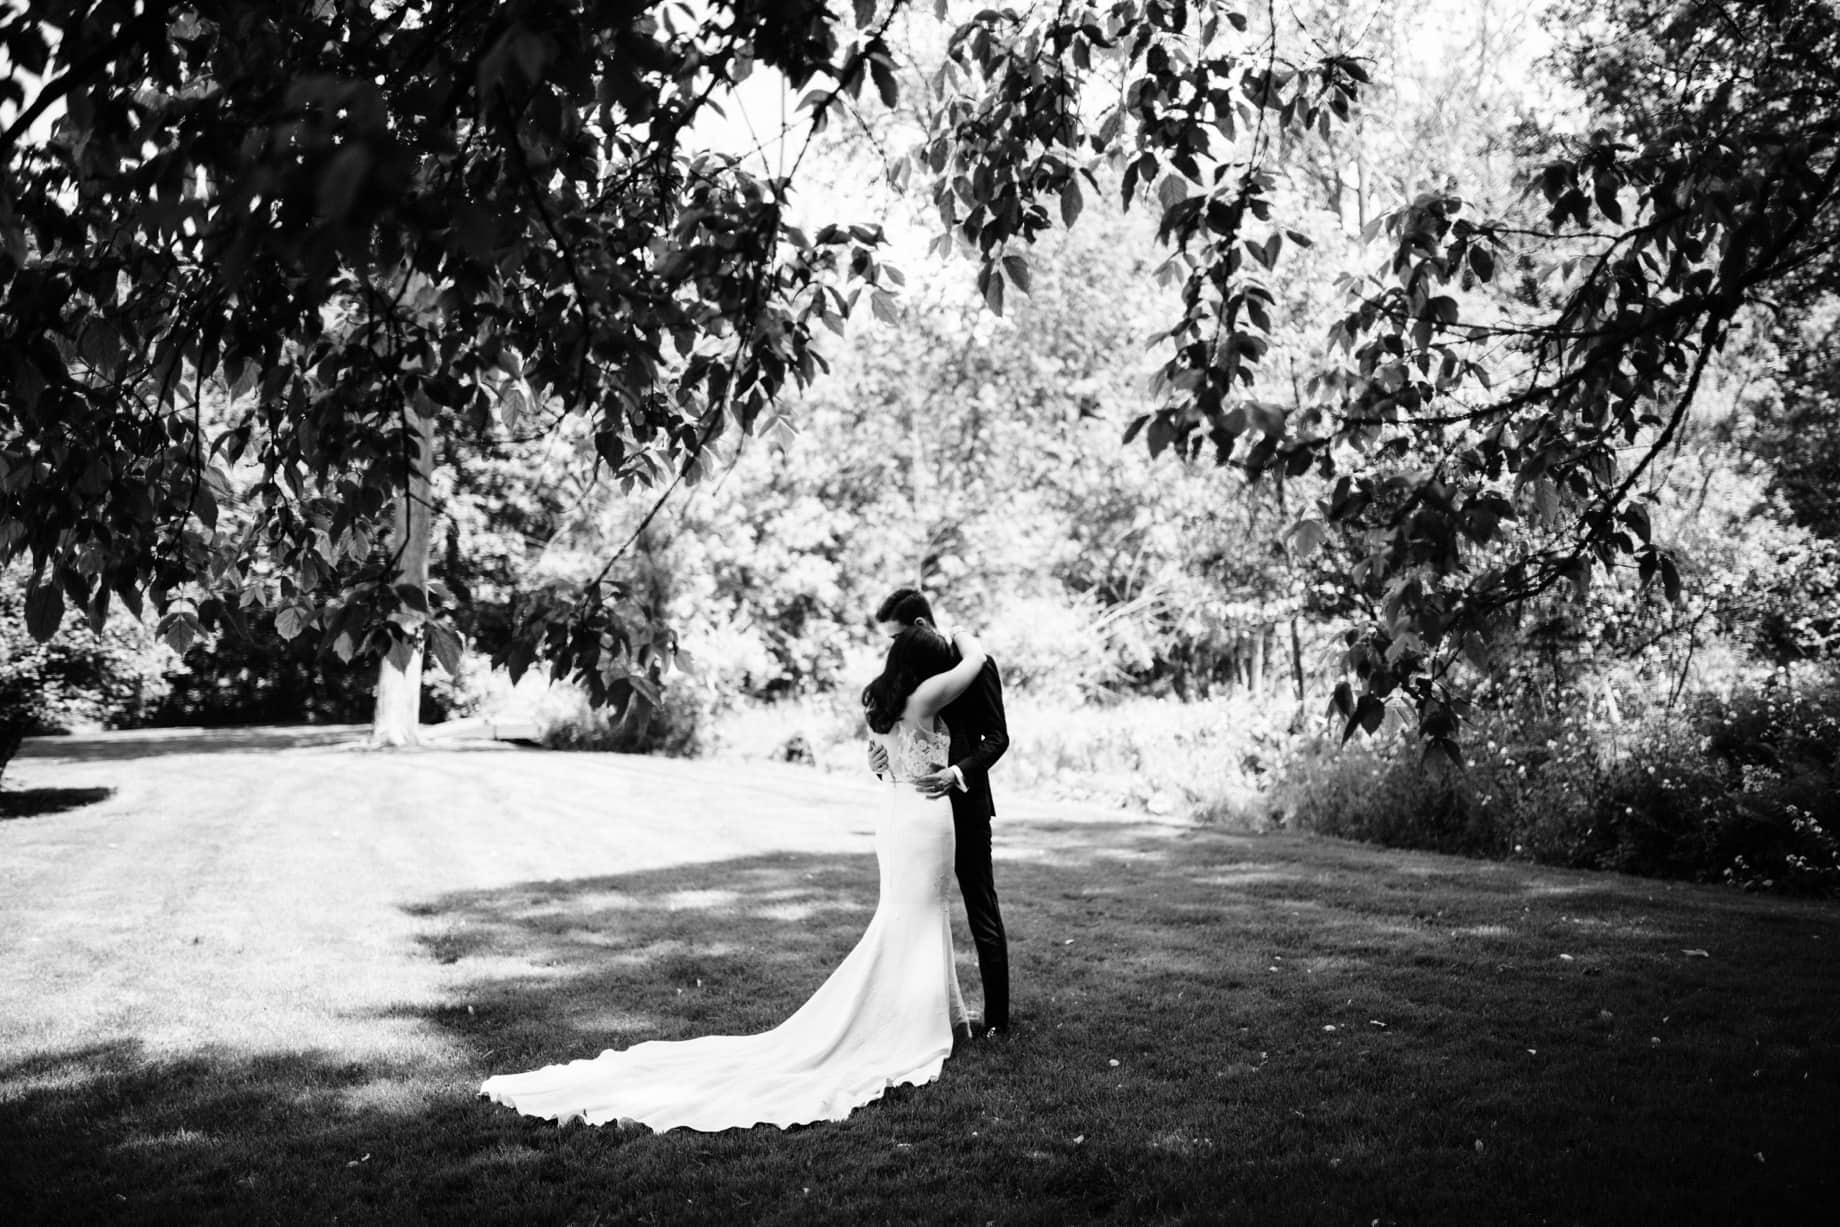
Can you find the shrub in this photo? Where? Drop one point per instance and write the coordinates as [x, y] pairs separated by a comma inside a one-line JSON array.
[[76, 679], [1385, 792], [676, 728], [1744, 790], [264, 679]]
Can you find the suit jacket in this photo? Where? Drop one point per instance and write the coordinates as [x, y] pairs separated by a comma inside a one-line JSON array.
[[980, 735]]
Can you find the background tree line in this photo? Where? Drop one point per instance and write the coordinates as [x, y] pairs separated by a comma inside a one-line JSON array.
[[1476, 390]]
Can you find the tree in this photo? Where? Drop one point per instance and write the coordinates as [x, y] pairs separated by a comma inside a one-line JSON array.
[[366, 226], [1439, 425], [362, 216]]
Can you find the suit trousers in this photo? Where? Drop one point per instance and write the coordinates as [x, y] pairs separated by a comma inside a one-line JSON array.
[[985, 918]]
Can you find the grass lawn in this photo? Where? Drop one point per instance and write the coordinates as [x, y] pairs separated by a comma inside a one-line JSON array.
[[257, 978]]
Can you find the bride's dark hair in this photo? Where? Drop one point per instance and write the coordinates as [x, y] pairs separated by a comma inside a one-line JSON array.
[[917, 653]]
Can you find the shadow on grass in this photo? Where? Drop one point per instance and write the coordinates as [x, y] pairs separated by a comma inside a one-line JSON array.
[[37, 802], [1209, 1028], [157, 742]]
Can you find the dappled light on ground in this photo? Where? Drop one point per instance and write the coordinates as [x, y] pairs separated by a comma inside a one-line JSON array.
[[242, 983]]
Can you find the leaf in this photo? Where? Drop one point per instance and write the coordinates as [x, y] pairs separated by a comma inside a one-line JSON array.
[[1071, 201], [341, 180], [242, 377], [1370, 713], [204, 505], [44, 610], [993, 291], [1605, 189], [1445, 748], [1482, 263], [476, 229], [180, 631], [513, 403], [1172, 191], [1306, 538], [402, 651], [881, 304], [290, 621], [883, 76], [1162, 434], [865, 13], [445, 646], [1017, 270], [531, 51]]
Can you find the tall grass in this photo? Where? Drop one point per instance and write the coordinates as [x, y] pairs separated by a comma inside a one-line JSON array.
[[1209, 760]]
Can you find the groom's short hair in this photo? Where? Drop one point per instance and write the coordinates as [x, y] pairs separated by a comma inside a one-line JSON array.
[[904, 605]]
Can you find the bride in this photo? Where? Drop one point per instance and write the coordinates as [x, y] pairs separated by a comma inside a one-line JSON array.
[[888, 1014]]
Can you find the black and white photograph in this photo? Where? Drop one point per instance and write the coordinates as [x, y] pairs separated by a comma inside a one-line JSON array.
[[920, 611]]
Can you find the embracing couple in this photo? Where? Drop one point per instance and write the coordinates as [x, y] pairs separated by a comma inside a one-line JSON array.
[[890, 1013]]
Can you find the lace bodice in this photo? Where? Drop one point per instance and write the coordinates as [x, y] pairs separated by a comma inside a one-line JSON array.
[[913, 753]]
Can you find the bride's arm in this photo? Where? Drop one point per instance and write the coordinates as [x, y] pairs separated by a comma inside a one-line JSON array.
[[939, 690]]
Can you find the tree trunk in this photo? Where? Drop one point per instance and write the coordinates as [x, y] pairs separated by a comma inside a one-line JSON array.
[[1297, 668], [397, 716], [923, 500], [12, 736], [1258, 660]]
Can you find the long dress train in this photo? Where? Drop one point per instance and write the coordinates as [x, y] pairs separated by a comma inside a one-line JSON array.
[[884, 1017]]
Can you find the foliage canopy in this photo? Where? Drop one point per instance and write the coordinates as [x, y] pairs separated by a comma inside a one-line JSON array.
[[260, 240]]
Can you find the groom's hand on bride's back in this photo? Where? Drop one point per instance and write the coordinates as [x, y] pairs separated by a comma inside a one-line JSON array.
[[878, 758]]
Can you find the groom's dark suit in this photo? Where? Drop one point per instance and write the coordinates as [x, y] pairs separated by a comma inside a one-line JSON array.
[[980, 735]]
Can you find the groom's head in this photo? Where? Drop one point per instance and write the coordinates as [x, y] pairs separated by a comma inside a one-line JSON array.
[[902, 608]]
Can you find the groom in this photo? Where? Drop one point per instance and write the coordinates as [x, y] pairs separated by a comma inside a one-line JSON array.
[[980, 735]]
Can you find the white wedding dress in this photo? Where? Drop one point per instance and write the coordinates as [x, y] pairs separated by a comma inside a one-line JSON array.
[[884, 1018]]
